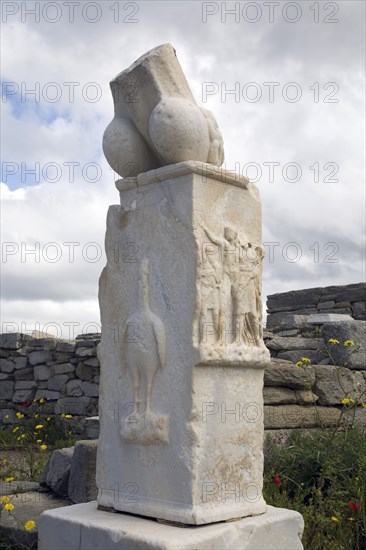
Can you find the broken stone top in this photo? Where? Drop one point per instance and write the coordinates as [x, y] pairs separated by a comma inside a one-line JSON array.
[[157, 121]]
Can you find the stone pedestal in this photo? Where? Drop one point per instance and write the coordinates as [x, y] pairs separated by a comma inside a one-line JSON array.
[[182, 356], [83, 527]]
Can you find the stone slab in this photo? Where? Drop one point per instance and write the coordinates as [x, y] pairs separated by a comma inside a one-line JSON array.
[[83, 526], [321, 318]]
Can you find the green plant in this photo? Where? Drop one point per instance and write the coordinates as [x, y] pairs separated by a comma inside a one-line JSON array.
[[35, 435], [323, 474]]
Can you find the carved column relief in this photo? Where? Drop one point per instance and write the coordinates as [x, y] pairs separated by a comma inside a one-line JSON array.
[[229, 293]]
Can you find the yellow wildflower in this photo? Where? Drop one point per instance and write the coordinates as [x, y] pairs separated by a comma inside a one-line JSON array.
[[334, 518], [36, 415], [19, 415], [9, 479], [333, 341], [5, 499], [9, 507], [348, 401], [39, 427], [6, 416], [5, 461], [39, 440], [22, 436], [298, 364], [43, 447], [15, 429], [349, 343], [41, 400], [34, 400], [30, 525], [68, 415], [305, 360], [63, 415], [363, 405], [48, 418]]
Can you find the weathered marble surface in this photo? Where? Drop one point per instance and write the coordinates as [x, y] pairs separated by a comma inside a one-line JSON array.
[[82, 527], [182, 356], [157, 120]]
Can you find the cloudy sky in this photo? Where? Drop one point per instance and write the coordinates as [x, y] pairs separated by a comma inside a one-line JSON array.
[[285, 81]]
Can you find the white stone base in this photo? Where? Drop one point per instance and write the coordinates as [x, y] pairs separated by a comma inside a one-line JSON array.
[[84, 527]]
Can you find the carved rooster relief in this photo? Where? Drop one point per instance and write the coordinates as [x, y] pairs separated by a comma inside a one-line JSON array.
[[144, 345]]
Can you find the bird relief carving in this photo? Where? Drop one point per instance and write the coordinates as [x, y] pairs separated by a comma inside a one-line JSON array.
[[144, 353]]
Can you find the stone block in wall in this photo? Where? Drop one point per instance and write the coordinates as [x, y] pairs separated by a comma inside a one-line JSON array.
[[39, 357], [73, 405], [59, 358], [86, 343], [62, 368], [25, 385], [84, 372], [13, 340], [86, 352], [332, 384], [41, 372], [6, 365], [298, 298], [326, 305], [47, 394], [343, 305], [340, 311], [278, 396], [353, 358], [57, 382], [20, 362], [92, 362], [43, 343], [296, 416], [24, 374], [89, 389], [294, 343], [359, 310], [23, 395], [345, 293], [66, 346], [284, 373], [82, 484], [306, 397], [4, 376], [74, 388], [6, 390]]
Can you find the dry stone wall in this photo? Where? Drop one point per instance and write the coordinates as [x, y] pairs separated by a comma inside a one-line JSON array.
[[66, 373], [63, 373], [346, 300]]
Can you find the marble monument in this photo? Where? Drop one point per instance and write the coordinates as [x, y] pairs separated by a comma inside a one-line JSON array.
[[182, 355]]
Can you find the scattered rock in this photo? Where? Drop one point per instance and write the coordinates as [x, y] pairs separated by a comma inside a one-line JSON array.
[[57, 471], [82, 484]]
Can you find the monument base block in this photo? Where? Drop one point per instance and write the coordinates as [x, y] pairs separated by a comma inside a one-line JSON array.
[[83, 526]]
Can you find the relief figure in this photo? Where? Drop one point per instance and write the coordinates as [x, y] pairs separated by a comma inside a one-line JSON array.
[[144, 351]]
